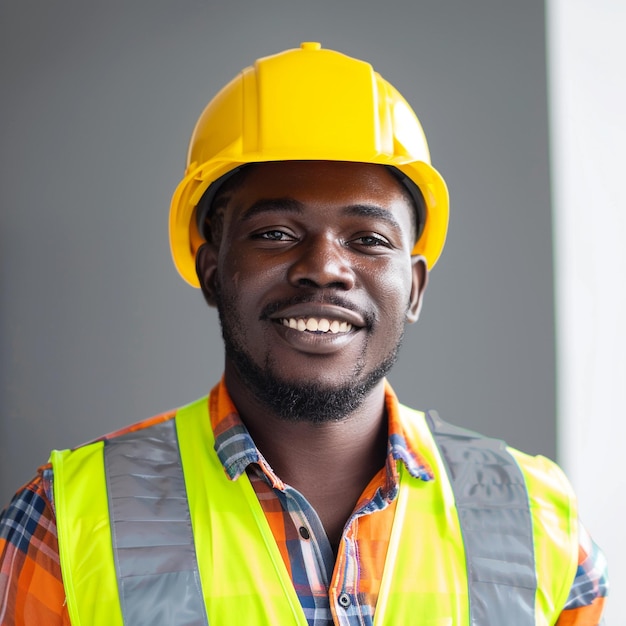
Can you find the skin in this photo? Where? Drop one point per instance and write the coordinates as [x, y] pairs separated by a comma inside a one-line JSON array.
[[322, 240]]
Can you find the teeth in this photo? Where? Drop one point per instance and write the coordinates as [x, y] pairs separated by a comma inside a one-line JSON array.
[[313, 325]]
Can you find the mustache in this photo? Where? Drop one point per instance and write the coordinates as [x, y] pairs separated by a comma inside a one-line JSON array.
[[334, 299]]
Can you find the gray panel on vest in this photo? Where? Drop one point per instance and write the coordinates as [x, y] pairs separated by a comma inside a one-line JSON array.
[[167, 600], [154, 550], [496, 524]]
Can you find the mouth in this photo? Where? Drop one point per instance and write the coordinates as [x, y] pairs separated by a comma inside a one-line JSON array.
[[318, 318], [317, 328], [320, 325]]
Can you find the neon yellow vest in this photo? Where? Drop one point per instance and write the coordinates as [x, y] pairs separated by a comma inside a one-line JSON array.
[[241, 575]]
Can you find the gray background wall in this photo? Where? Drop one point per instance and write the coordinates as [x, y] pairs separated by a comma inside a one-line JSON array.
[[97, 104]]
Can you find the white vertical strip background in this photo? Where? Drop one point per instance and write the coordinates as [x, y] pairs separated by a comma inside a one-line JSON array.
[[587, 90]]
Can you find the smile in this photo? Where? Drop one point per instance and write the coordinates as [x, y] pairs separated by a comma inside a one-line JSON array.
[[316, 325]]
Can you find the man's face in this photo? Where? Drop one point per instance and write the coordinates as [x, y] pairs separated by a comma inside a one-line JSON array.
[[314, 281]]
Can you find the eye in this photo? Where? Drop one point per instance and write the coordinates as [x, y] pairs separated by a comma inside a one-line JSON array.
[[273, 235], [371, 241], [271, 232]]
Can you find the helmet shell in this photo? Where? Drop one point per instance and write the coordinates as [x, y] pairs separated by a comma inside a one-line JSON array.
[[305, 104]]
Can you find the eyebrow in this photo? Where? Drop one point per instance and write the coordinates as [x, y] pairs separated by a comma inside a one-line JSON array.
[[372, 210], [265, 205], [290, 205]]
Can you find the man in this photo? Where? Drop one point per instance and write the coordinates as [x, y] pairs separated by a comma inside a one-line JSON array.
[[300, 491]]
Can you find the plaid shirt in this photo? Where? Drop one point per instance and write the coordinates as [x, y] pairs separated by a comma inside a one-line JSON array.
[[31, 587]]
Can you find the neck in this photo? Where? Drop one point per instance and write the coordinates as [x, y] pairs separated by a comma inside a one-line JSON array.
[[330, 463], [278, 437]]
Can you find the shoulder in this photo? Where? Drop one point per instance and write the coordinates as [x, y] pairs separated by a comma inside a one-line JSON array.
[[30, 503], [33, 503], [31, 580], [561, 543], [137, 426], [463, 446]]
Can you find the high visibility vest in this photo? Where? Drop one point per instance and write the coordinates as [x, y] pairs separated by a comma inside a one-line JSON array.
[[151, 531]]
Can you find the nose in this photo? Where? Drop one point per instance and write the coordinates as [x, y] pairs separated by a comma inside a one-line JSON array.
[[322, 262]]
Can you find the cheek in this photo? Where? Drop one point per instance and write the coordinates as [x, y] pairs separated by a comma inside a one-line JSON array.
[[392, 289], [247, 281], [235, 272]]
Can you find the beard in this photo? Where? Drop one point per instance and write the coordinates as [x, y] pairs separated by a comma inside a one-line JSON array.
[[298, 401]]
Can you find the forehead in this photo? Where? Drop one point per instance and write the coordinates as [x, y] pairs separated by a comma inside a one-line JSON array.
[[323, 184]]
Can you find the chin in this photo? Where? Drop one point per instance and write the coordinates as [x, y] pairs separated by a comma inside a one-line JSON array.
[[312, 401]]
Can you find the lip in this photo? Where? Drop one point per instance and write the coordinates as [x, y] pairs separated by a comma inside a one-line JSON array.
[[329, 311], [314, 343]]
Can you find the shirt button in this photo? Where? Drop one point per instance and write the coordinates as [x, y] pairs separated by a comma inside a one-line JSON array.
[[344, 600], [304, 532]]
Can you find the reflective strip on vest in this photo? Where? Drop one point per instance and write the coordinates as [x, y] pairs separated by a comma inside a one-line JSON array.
[[154, 550], [242, 573], [506, 498], [491, 498]]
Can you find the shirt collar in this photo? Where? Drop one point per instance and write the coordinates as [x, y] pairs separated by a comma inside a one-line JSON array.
[[402, 444], [236, 449]]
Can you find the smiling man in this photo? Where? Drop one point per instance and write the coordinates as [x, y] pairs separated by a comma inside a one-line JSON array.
[[300, 491]]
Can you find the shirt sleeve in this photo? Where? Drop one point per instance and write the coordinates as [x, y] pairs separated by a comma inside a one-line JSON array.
[[585, 603], [31, 587]]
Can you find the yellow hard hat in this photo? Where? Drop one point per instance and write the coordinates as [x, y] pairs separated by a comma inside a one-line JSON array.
[[301, 105]]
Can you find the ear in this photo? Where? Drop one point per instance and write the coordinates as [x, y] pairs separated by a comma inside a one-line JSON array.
[[206, 269], [419, 280]]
